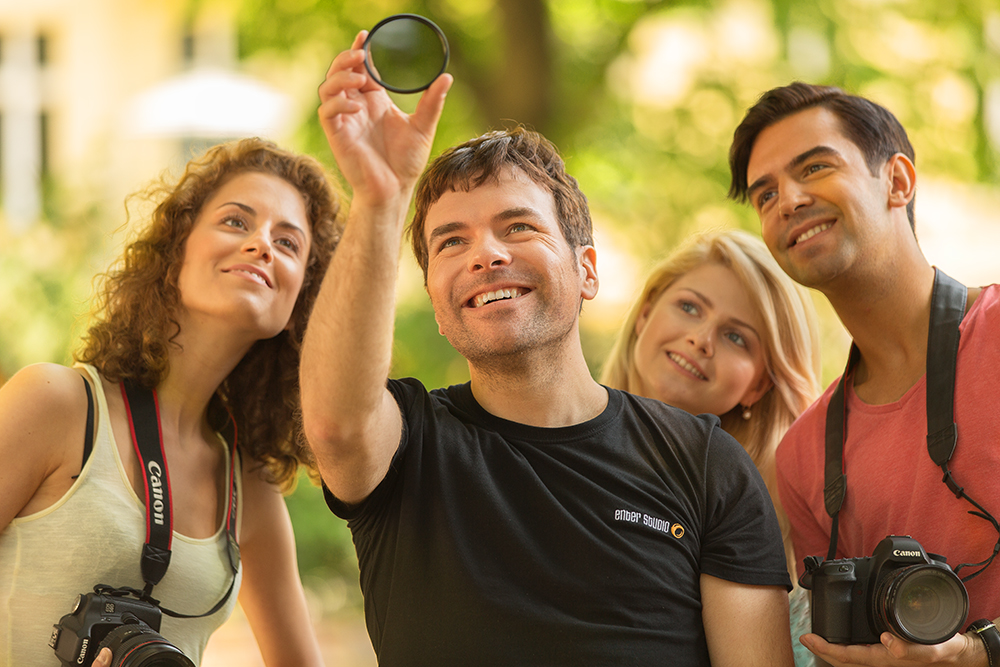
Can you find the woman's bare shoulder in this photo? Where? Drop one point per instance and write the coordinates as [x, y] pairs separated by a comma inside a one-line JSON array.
[[43, 416], [49, 387]]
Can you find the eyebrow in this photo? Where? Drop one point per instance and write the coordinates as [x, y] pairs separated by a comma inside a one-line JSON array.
[[517, 212], [795, 162], [735, 320], [506, 214], [252, 211], [444, 230]]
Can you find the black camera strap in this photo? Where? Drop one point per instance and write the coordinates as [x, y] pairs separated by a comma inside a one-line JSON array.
[[143, 412], [948, 299]]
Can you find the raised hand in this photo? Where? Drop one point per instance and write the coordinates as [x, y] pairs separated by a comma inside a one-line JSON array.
[[380, 150]]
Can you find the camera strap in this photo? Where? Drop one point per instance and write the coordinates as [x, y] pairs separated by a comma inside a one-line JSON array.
[[948, 299], [143, 410]]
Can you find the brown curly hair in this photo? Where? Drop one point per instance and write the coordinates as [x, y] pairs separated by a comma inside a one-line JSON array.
[[134, 321]]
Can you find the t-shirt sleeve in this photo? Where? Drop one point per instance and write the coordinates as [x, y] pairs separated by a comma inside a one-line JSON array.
[[405, 394], [742, 540]]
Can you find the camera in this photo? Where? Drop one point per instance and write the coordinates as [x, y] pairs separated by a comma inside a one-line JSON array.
[[899, 589], [108, 619]]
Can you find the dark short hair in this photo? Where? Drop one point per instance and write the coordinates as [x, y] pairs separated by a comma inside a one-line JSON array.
[[871, 127], [486, 158]]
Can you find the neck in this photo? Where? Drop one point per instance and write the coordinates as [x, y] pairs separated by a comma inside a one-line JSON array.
[[199, 363], [539, 388], [888, 318]]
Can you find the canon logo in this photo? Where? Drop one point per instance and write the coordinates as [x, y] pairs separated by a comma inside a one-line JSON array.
[[156, 491], [83, 651], [906, 552]]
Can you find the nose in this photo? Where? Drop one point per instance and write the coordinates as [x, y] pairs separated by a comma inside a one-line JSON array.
[[259, 243], [792, 197], [702, 338], [489, 252]]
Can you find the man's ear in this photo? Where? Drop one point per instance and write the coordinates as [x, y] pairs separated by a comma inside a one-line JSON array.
[[588, 271], [902, 180]]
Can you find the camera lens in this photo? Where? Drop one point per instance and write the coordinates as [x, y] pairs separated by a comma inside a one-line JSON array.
[[925, 604], [138, 645]]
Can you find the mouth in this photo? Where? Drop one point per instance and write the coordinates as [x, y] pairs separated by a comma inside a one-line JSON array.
[[686, 365], [504, 294], [253, 273], [811, 232]]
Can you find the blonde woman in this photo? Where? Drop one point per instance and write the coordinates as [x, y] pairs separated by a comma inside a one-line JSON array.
[[719, 328]]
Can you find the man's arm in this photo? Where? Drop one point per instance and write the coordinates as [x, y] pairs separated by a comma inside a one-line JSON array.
[[351, 420], [746, 626]]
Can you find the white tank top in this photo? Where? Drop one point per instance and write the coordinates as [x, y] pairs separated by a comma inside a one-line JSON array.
[[94, 535]]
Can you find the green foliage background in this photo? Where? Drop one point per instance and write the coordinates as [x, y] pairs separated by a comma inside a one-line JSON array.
[[641, 96]]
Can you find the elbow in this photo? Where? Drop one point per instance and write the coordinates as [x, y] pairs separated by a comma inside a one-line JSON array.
[[323, 434]]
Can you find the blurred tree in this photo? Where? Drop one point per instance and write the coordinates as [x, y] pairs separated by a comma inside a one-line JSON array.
[[642, 98]]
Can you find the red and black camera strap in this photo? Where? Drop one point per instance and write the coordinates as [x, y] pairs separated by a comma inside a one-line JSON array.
[[143, 412], [948, 299]]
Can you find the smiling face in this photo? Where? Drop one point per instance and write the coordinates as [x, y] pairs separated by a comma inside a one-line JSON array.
[[821, 209], [245, 258], [699, 346], [501, 276]]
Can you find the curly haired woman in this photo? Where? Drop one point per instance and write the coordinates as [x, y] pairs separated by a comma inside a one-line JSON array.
[[207, 308]]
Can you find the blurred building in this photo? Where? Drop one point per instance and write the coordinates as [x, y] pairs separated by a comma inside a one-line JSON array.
[[99, 96]]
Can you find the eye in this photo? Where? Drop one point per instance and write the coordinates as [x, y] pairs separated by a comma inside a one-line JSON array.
[[765, 197], [288, 242], [813, 168], [737, 338], [234, 221], [519, 227], [447, 243], [688, 307]]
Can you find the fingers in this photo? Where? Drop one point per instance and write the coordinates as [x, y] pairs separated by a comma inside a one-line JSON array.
[[431, 104], [103, 658], [346, 79], [359, 40], [355, 53]]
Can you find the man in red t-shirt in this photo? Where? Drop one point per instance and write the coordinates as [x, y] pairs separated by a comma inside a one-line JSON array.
[[832, 179]]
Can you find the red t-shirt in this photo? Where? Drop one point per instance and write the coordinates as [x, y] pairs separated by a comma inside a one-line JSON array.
[[893, 487]]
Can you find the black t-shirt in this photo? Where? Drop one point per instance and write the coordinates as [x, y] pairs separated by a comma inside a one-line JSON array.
[[494, 543]]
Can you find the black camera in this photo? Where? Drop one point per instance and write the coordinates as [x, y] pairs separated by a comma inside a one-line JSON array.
[[128, 627], [898, 589]]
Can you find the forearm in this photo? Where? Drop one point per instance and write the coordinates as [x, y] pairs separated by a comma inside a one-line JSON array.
[[350, 419], [271, 595], [347, 351]]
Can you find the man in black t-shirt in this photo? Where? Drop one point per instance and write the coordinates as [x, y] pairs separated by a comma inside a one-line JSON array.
[[530, 516]]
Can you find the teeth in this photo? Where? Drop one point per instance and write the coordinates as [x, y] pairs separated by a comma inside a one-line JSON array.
[[484, 299], [813, 232], [686, 365], [255, 276]]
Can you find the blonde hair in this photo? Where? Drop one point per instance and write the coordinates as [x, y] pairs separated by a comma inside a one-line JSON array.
[[790, 338]]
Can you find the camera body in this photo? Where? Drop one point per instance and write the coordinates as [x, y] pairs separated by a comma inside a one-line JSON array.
[[102, 619], [898, 589]]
